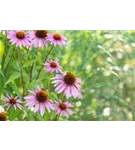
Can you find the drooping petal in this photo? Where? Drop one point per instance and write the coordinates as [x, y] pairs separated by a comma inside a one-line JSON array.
[[75, 92], [8, 107], [19, 106], [36, 107], [15, 106], [67, 92], [62, 88], [69, 111], [42, 109]]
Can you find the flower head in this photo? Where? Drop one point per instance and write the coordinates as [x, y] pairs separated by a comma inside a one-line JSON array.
[[3, 116], [52, 66], [12, 101], [57, 39], [38, 38], [69, 84], [62, 108], [39, 100], [19, 38]]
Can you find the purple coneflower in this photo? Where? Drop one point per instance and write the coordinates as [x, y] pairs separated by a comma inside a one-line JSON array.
[[12, 101], [19, 38], [69, 84], [62, 108], [57, 39], [39, 100], [38, 38], [52, 66]]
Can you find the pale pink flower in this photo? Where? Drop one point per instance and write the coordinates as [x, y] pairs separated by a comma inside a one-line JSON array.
[[12, 101], [62, 108], [38, 38], [57, 39], [19, 38], [69, 84], [52, 66], [39, 100]]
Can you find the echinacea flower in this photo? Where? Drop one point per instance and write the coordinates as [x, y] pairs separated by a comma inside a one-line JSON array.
[[3, 116], [12, 101], [38, 38], [52, 66], [62, 108], [19, 38], [69, 84], [39, 100], [57, 39]]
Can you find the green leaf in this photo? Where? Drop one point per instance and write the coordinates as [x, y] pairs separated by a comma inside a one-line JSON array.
[[12, 113], [30, 117], [16, 89], [54, 96], [34, 83], [1, 73], [14, 76], [52, 115], [40, 118], [2, 81], [8, 57], [29, 63]]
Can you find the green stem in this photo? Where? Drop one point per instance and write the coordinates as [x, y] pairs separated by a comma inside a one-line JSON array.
[[61, 97], [5, 48], [21, 70], [32, 66], [56, 118], [50, 84], [31, 71], [9, 63], [44, 61]]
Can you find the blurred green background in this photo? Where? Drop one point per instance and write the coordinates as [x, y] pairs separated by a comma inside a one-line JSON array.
[[105, 62]]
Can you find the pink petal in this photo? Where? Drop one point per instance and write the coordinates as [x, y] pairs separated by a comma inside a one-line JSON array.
[[68, 104], [6, 99], [67, 92], [56, 106], [15, 106], [60, 87], [58, 77], [69, 111], [36, 107], [29, 97], [78, 80], [9, 106], [59, 111], [42, 109], [57, 81], [78, 86], [48, 109], [32, 92], [65, 114], [19, 106], [74, 91], [38, 88]]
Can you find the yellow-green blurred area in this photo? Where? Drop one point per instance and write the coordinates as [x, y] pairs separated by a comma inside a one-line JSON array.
[[105, 62]]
